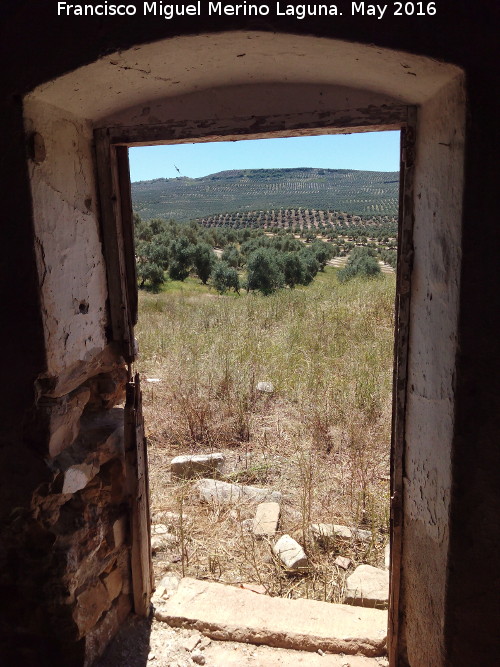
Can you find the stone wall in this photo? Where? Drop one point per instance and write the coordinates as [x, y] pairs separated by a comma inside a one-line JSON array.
[[65, 550]]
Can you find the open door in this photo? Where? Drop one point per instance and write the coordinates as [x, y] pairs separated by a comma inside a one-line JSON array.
[[402, 318], [118, 243], [136, 457]]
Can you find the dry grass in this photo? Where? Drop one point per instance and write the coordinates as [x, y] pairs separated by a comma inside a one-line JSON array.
[[322, 438]]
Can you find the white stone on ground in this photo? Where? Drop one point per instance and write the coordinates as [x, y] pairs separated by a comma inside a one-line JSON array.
[[159, 529], [266, 519], [342, 562], [368, 586], [191, 642], [211, 490], [290, 552], [198, 657], [325, 532], [162, 542], [247, 525], [266, 387], [197, 465]]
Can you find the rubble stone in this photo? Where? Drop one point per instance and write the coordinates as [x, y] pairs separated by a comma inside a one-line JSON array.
[[197, 465], [266, 519], [159, 529], [342, 562], [91, 604], [77, 477], [191, 642], [120, 531], [161, 542], [168, 518], [368, 586], [290, 552], [65, 416], [211, 490], [113, 583], [328, 532]]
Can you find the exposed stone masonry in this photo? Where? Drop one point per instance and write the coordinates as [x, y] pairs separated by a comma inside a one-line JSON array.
[[73, 581]]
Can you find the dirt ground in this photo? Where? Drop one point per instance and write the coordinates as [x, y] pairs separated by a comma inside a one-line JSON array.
[[215, 541]]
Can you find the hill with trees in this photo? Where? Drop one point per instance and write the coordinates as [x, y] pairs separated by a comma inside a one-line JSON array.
[[254, 192]]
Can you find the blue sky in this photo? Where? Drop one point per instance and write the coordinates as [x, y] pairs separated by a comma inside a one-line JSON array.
[[371, 151]]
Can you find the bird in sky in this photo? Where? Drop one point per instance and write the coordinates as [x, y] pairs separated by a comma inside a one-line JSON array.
[[178, 170]]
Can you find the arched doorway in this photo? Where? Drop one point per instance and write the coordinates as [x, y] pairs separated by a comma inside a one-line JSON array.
[[253, 84]]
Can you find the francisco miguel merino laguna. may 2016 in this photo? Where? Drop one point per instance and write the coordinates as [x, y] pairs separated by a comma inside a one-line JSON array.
[[170, 11]]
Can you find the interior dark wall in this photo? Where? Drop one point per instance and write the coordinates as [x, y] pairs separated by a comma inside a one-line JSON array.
[[37, 46]]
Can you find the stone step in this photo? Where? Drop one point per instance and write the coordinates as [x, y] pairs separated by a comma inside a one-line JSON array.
[[228, 613]]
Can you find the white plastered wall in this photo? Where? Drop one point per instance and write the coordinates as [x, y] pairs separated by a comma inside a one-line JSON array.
[[248, 100], [69, 253], [431, 370]]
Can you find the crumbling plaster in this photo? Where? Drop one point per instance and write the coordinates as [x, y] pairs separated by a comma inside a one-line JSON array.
[[69, 254], [247, 100]]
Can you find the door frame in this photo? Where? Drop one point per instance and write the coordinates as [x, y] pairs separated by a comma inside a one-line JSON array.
[[112, 145]]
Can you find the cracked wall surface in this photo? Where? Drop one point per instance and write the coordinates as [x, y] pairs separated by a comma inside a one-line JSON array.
[[433, 344], [69, 253]]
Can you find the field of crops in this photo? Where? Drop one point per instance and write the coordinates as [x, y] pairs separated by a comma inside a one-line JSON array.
[[302, 219], [363, 193]]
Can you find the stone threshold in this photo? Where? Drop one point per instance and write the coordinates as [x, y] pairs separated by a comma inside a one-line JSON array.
[[227, 613]]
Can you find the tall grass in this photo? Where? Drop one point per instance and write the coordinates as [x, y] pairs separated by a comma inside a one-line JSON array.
[[327, 349], [326, 345]]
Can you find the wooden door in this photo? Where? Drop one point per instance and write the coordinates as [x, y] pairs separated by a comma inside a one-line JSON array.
[[119, 253], [399, 393], [138, 487]]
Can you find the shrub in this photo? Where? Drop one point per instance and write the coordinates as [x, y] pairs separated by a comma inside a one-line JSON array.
[[265, 270], [232, 256], [225, 277], [294, 269], [323, 252], [361, 262], [204, 260], [181, 253], [311, 265], [150, 273]]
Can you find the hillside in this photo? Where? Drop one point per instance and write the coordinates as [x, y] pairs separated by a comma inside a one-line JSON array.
[[364, 193]]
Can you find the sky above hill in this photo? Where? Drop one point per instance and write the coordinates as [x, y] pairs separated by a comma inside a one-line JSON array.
[[371, 151]]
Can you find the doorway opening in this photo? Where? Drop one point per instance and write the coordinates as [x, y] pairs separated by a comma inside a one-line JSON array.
[[239, 104], [265, 336]]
